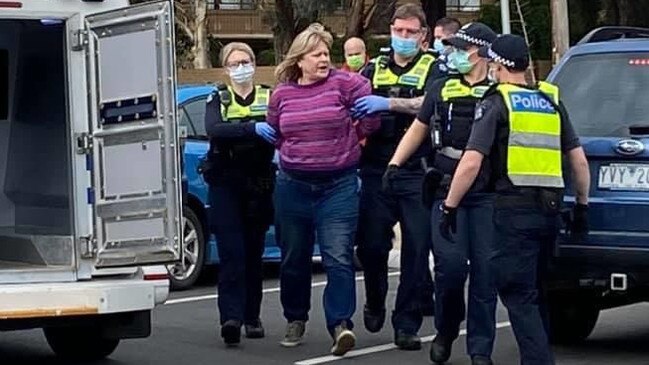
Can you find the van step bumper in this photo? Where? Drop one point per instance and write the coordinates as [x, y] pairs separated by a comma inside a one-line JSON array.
[[21, 301]]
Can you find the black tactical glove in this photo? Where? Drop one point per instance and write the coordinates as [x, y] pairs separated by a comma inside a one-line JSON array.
[[432, 180], [448, 222], [389, 175], [579, 220]]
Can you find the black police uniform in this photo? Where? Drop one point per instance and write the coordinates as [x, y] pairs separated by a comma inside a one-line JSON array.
[[379, 211], [449, 109], [525, 218], [240, 176]]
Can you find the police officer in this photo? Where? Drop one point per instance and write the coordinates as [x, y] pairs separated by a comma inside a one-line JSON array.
[[444, 29], [522, 131], [448, 112], [239, 173], [399, 81]]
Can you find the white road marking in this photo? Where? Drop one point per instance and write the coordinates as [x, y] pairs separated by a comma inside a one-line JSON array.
[[265, 291], [375, 349]]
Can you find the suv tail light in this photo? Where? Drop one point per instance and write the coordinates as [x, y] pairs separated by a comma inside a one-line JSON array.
[[11, 4], [639, 62]]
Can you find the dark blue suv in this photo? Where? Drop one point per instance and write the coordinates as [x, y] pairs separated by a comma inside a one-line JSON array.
[[604, 84]]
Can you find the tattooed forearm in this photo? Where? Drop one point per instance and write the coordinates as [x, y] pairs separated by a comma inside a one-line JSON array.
[[408, 106]]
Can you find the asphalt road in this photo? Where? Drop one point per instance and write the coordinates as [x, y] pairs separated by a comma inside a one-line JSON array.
[[185, 332]]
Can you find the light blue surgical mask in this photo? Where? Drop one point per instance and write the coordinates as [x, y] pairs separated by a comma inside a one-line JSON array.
[[405, 47], [460, 61], [439, 46], [242, 74]]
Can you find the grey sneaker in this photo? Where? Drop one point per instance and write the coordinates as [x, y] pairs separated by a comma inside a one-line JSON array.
[[294, 332], [344, 340]]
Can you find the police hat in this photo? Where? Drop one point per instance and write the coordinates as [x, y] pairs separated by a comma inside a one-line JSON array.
[[471, 34], [509, 50]]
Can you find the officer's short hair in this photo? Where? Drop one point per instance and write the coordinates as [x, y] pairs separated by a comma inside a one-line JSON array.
[[236, 46], [450, 25], [410, 10]]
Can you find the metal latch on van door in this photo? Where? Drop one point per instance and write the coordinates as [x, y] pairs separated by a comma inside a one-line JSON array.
[[80, 40], [88, 246], [84, 143]]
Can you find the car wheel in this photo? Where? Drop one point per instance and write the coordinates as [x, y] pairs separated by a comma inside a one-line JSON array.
[[184, 274], [572, 316], [79, 343]]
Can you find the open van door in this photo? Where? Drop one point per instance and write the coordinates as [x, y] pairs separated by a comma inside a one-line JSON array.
[[133, 135]]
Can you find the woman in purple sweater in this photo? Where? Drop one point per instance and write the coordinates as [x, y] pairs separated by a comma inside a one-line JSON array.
[[316, 192]]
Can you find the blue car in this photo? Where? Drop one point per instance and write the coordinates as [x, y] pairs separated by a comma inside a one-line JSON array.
[[201, 248], [604, 84]]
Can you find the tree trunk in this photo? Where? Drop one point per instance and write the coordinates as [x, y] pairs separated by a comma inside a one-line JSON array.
[[355, 21], [283, 29], [560, 29], [434, 9], [201, 46], [380, 20]]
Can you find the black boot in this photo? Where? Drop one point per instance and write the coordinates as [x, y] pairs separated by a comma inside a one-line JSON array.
[[254, 329], [373, 319], [406, 341], [231, 332], [440, 350]]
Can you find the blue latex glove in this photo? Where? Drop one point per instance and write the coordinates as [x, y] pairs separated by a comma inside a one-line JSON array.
[[369, 105], [265, 131]]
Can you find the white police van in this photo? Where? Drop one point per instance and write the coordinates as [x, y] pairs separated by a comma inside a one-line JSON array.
[[89, 173]]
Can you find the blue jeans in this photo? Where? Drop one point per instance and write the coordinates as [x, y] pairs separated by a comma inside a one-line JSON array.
[[523, 235], [473, 242], [326, 208]]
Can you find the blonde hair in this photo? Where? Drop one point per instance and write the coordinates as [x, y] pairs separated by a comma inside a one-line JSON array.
[[305, 42], [236, 46]]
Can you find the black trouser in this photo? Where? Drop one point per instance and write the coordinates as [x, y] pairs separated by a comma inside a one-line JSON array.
[[379, 212], [524, 236], [239, 218]]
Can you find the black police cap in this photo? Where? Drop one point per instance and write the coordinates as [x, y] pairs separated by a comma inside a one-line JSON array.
[[471, 34], [509, 50]]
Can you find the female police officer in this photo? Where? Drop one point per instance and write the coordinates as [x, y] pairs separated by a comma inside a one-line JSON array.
[[239, 175], [523, 133], [448, 110]]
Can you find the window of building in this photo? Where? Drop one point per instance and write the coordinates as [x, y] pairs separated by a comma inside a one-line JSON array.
[[463, 5], [236, 4], [342, 5]]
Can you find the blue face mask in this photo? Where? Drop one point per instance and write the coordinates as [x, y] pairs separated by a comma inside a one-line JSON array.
[[439, 46], [405, 47], [460, 61]]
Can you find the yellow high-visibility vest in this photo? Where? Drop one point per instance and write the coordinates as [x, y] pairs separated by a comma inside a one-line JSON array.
[[534, 145], [415, 77], [454, 88], [236, 112]]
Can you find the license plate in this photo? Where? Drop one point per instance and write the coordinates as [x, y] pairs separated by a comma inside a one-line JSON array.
[[624, 177]]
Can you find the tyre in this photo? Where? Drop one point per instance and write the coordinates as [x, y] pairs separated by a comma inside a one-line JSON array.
[[572, 316], [79, 343], [184, 274]]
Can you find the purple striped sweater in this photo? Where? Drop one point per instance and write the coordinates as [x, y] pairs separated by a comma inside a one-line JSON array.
[[315, 125]]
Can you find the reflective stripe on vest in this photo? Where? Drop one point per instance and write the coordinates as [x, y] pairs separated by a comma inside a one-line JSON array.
[[236, 112], [415, 77], [534, 147], [454, 88]]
